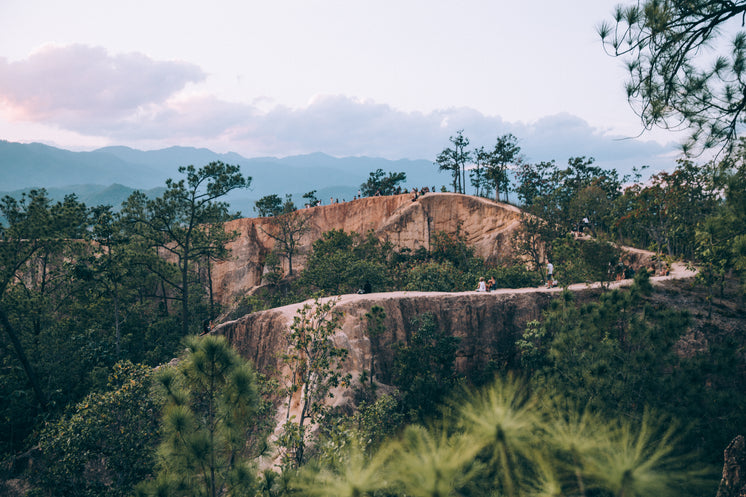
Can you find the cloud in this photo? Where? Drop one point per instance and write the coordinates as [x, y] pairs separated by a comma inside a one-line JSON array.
[[344, 126], [570, 133], [81, 87], [134, 100]]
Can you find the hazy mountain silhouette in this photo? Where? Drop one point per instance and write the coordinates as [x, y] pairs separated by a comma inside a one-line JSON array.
[[109, 172]]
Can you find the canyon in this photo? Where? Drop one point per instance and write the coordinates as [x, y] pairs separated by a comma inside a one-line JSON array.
[[486, 225], [487, 324]]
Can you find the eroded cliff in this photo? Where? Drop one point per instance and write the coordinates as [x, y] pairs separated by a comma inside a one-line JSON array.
[[487, 226], [487, 325]]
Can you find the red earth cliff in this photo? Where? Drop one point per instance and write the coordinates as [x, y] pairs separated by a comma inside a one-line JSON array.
[[486, 224]]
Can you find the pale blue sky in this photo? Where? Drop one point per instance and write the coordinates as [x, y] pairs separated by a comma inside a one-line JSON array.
[[378, 78]]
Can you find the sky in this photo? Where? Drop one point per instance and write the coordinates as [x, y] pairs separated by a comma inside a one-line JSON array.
[[380, 78]]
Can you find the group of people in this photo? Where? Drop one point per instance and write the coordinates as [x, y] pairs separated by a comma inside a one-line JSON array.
[[622, 271], [486, 286], [399, 190], [490, 285], [418, 193]]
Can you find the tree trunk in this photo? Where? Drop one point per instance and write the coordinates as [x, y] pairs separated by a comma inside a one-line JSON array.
[[165, 298], [22, 357], [185, 297], [116, 319], [209, 283]]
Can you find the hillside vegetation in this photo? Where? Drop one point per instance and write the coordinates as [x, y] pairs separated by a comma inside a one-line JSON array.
[[628, 392]]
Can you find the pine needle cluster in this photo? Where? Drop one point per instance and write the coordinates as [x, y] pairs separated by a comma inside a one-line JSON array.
[[504, 441]]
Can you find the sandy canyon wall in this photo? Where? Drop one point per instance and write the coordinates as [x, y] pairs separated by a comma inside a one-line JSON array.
[[486, 224], [487, 325]]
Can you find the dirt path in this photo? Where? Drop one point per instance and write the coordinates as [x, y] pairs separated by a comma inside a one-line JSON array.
[[678, 270]]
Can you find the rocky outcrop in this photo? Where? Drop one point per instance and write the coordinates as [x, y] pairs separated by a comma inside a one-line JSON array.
[[487, 226], [487, 325]]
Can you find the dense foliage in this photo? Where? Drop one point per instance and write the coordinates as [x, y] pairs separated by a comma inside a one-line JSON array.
[[624, 394], [104, 444], [83, 288], [89, 293], [618, 355], [348, 262]]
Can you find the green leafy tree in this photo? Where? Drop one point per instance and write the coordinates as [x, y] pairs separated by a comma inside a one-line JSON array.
[[663, 213], [113, 266], [287, 229], [452, 247], [477, 175], [40, 296], [128, 300], [75, 299], [455, 160], [352, 475], [342, 262], [186, 222], [528, 240], [505, 153], [502, 421], [424, 368], [315, 370], [24, 235], [311, 199], [597, 341], [509, 440], [432, 276], [619, 355], [379, 183], [209, 417], [272, 269], [576, 186], [676, 79], [585, 261], [269, 205], [534, 181], [721, 237], [558, 200], [432, 463], [105, 444], [375, 328]]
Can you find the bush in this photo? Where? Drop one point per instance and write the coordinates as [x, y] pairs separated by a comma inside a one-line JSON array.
[[515, 277], [435, 277], [582, 261], [105, 444]]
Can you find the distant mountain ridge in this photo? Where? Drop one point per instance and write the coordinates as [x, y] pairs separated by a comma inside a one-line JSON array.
[[34, 165]]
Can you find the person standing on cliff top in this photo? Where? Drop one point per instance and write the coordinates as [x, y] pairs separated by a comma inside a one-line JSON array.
[[550, 274]]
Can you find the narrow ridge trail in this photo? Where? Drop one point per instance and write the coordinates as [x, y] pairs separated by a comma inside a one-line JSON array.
[[678, 271]]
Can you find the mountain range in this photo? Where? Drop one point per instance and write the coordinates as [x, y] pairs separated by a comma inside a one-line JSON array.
[[108, 175]]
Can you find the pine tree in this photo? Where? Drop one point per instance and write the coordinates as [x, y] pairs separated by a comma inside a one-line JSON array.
[[207, 422]]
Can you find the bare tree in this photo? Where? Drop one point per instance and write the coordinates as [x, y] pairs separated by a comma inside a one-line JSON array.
[[286, 230]]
